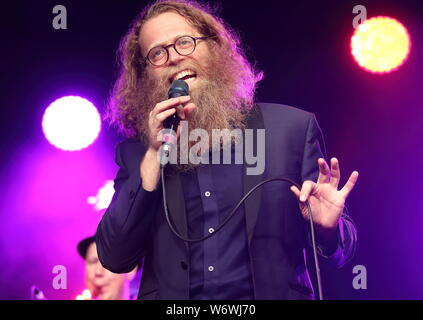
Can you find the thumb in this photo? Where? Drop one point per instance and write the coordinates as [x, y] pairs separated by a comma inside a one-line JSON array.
[[189, 109], [295, 191], [302, 205]]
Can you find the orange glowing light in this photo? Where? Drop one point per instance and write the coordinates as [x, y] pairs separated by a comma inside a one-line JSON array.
[[380, 44]]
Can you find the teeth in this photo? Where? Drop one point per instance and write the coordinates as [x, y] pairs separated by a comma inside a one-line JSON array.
[[184, 73]]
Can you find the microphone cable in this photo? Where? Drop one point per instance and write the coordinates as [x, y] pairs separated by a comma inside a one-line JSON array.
[[232, 213]]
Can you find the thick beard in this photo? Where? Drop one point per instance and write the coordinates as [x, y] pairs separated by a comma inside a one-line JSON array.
[[216, 96]]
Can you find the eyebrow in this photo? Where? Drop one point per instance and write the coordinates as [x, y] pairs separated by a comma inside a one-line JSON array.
[[162, 44]]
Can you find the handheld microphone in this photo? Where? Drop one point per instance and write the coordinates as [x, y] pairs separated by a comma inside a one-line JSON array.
[[177, 89]]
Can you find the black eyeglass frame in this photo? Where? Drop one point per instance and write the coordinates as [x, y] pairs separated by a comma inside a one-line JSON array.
[[174, 47]]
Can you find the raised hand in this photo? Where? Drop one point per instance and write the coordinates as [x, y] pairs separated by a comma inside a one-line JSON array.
[[326, 201]]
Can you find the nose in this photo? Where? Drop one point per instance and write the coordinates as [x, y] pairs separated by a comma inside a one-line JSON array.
[[174, 57], [99, 270]]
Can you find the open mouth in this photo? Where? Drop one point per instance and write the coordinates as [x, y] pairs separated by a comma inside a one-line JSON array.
[[186, 75]]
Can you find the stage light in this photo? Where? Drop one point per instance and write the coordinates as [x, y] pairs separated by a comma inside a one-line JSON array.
[[71, 123], [380, 44], [86, 294], [104, 196]]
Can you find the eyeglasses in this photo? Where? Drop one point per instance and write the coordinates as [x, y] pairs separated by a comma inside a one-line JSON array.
[[184, 46]]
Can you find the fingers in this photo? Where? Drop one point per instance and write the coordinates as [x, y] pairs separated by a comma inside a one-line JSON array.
[[185, 111], [324, 173], [306, 190], [334, 172], [350, 184], [162, 116], [170, 103], [166, 108], [189, 109]]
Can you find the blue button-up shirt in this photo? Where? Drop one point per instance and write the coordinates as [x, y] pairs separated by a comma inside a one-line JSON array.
[[220, 265]]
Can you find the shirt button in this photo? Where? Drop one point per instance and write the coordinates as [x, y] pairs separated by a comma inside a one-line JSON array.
[[211, 268], [211, 230], [207, 194]]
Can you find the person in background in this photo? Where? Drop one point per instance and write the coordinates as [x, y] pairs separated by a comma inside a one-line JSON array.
[[103, 284]]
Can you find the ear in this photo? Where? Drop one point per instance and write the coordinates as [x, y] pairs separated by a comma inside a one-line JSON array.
[[131, 275]]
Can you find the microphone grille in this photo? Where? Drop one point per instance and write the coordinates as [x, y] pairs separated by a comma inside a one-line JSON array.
[[178, 88]]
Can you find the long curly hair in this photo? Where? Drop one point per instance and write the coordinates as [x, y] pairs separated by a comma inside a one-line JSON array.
[[123, 105]]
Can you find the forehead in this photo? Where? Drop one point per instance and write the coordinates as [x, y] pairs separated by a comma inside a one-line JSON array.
[[91, 251], [162, 29]]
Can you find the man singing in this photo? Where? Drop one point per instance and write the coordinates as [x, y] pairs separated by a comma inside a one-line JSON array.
[[260, 252]]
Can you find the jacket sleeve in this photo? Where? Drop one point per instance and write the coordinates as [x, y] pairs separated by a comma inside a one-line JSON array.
[[123, 231], [346, 232]]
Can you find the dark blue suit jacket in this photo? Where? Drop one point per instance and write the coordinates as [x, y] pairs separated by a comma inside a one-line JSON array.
[[134, 225]]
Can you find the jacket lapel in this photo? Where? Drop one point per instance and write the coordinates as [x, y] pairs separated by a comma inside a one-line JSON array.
[[176, 202], [252, 203]]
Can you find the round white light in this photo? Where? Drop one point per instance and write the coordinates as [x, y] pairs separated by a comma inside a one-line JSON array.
[[71, 123]]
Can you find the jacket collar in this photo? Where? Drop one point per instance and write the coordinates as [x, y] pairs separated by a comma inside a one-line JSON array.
[[252, 203]]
